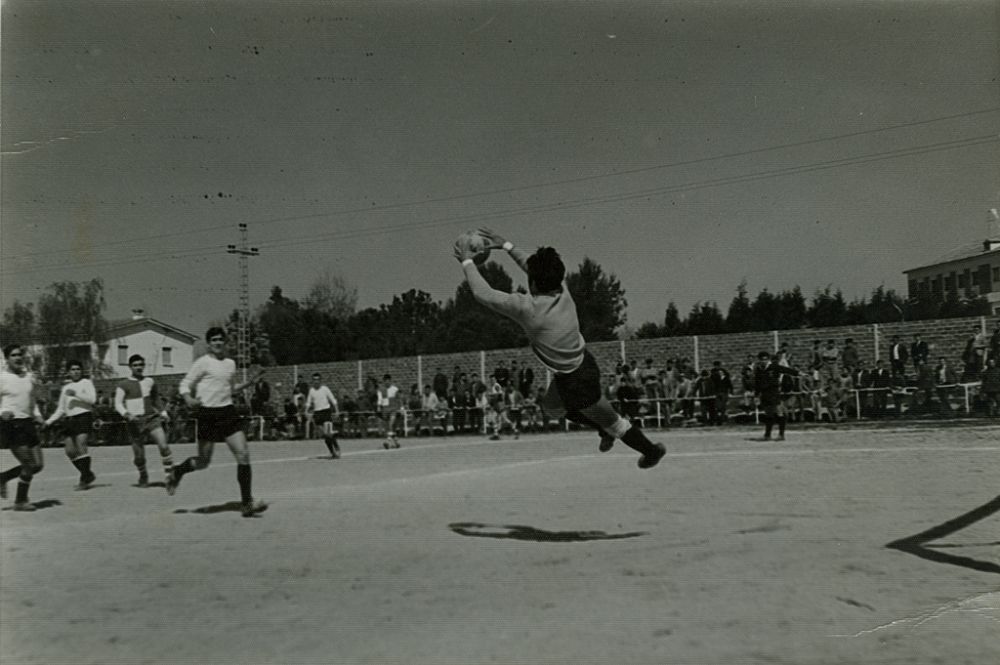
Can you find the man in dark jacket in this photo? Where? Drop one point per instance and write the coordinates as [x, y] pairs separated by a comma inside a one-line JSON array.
[[898, 356], [882, 383], [919, 352], [767, 388], [722, 386], [863, 381], [991, 386]]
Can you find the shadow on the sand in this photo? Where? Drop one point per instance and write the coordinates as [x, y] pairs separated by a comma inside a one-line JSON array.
[[522, 532], [920, 544]]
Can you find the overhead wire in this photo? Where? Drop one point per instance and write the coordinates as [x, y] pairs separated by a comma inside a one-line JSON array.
[[516, 189], [558, 205]]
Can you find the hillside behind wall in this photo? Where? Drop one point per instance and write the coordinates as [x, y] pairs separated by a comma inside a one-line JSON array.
[[945, 337]]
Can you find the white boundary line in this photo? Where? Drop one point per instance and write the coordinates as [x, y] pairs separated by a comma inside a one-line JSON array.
[[787, 449]]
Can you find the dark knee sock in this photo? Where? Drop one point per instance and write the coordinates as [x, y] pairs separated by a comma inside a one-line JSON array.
[[768, 425], [330, 442], [81, 465], [244, 475], [10, 474], [781, 425], [187, 466], [140, 464], [635, 439], [22, 490]]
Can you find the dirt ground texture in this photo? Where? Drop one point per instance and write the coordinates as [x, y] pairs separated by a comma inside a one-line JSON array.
[[541, 550]]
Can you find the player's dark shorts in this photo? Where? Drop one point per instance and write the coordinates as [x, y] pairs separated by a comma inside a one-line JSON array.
[[581, 387], [82, 423], [218, 423], [772, 404], [18, 432], [322, 416], [143, 425]]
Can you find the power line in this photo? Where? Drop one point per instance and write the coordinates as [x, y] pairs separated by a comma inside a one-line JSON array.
[[522, 188], [569, 204]]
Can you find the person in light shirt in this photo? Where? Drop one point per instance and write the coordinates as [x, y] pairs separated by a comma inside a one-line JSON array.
[[208, 387], [19, 421], [76, 413], [389, 410], [321, 405], [548, 316]]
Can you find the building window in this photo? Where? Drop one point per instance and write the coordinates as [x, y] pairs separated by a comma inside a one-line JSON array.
[[961, 282], [168, 357], [122, 354], [996, 275], [975, 279]]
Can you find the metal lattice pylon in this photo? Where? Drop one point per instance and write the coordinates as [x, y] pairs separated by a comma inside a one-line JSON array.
[[244, 252]]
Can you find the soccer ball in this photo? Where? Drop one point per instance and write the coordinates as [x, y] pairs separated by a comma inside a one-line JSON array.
[[474, 241]]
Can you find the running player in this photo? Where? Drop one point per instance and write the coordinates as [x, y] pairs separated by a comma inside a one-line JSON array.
[[209, 386], [389, 410], [138, 402], [76, 410], [548, 316], [322, 406], [19, 420]]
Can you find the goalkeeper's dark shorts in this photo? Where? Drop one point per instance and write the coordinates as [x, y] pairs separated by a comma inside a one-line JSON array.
[[580, 388]]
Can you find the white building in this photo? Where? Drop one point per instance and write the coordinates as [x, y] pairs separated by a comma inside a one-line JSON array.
[[166, 349], [970, 271]]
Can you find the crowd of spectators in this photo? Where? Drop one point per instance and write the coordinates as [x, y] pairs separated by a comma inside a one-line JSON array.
[[833, 382]]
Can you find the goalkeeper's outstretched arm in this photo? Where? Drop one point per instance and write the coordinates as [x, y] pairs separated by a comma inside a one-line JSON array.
[[496, 241]]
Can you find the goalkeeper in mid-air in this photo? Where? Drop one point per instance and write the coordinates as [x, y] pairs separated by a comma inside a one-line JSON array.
[[547, 314]]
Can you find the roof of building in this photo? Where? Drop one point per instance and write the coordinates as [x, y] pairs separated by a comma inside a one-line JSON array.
[[125, 326], [960, 253]]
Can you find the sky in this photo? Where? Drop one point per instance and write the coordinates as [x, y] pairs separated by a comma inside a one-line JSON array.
[[684, 146]]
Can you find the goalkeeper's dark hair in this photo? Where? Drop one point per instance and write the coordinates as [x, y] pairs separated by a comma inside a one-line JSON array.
[[546, 269]]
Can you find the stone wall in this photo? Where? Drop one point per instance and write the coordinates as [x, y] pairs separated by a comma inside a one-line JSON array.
[[946, 338]]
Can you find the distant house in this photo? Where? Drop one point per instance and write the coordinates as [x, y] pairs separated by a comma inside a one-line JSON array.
[[166, 349], [969, 271]]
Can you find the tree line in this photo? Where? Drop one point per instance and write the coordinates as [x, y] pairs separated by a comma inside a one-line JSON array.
[[287, 331], [327, 326], [790, 309]]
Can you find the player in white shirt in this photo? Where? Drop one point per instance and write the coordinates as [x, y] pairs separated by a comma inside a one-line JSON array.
[[208, 387], [75, 415], [321, 405], [19, 420], [389, 407]]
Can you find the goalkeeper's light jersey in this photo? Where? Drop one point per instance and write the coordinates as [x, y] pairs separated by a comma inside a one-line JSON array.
[[549, 321]]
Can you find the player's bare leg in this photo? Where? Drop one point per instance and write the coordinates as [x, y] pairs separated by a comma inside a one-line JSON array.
[[159, 437], [201, 461], [30, 463], [139, 459], [237, 443], [602, 414], [552, 403], [79, 456]]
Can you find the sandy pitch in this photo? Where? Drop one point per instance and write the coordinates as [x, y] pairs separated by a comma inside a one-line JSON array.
[[541, 550]]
